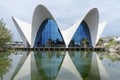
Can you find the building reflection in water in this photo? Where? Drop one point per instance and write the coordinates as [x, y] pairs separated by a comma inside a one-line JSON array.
[[21, 65], [60, 66], [48, 64], [5, 63], [82, 61], [97, 70]]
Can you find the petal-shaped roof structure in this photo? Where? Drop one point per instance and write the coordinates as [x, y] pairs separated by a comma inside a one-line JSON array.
[[43, 17], [44, 28], [40, 14], [24, 30], [101, 27], [92, 20]]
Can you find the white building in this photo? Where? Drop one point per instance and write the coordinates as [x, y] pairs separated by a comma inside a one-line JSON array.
[[44, 31]]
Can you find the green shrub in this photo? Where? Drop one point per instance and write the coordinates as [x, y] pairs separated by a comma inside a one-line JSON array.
[[5, 36]]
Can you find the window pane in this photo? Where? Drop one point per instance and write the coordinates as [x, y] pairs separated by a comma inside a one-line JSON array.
[[81, 37], [49, 35]]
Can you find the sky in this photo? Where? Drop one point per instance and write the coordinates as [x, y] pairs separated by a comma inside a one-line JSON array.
[[65, 12]]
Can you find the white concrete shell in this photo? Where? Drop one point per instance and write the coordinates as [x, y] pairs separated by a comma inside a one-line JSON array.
[[101, 27], [24, 30], [92, 20], [41, 13]]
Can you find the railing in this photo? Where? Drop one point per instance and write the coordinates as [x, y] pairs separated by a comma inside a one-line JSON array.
[[61, 49]]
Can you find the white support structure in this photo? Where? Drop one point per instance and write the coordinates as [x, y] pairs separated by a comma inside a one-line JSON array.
[[28, 33], [24, 30]]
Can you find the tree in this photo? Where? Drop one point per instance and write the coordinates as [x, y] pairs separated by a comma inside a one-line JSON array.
[[58, 41], [112, 43], [5, 36], [100, 42], [5, 62], [84, 42]]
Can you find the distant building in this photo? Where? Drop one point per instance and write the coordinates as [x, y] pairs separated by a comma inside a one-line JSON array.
[[44, 31], [17, 44], [106, 39]]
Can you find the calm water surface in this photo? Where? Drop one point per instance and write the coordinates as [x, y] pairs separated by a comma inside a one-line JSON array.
[[59, 66]]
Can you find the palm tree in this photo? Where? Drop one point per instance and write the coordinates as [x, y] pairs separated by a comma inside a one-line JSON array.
[[100, 42], [84, 42]]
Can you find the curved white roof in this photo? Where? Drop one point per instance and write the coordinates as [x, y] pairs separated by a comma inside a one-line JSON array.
[[92, 19], [41, 14], [24, 30]]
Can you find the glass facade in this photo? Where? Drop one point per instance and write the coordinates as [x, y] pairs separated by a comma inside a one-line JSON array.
[[81, 37], [49, 35]]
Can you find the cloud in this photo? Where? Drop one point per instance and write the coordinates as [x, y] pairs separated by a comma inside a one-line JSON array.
[[66, 12]]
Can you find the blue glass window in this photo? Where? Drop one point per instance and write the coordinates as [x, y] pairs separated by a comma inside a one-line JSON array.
[[81, 37], [49, 35]]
